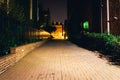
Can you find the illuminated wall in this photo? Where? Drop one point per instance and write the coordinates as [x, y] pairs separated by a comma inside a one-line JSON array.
[[59, 33]]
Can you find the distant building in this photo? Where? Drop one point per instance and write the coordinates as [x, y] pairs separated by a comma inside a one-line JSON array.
[[47, 17], [80, 11], [60, 32]]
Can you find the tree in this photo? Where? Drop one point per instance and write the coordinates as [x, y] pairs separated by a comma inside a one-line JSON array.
[[12, 19], [50, 29], [17, 12]]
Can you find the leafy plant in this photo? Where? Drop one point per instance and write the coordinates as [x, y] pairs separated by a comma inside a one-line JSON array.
[[13, 27], [49, 28], [107, 44]]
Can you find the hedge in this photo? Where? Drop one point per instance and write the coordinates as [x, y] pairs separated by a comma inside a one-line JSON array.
[[108, 45]]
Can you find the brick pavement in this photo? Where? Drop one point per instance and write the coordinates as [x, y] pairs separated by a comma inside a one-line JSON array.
[[61, 60]]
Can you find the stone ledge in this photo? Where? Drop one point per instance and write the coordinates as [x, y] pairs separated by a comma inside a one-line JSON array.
[[16, 54]]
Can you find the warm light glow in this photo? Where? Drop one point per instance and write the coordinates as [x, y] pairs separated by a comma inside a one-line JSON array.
[[22, 49], [44, 34], [66, 37], [58, 23], [59, 33], [45, 15], [41, 26]]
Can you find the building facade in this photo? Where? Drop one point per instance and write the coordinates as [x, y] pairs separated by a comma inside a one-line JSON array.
[[95, 13], [80, 11], [60, 32], [114, 16]]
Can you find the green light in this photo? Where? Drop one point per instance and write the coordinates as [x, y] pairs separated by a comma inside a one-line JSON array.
[[86, 25]]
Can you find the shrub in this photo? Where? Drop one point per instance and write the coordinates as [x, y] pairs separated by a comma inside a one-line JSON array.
[[107, 44], [13, 28]]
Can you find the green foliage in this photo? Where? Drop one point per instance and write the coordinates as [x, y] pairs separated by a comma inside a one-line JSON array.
[[49, 28], [17, 12], [13, 28], [107, 44]]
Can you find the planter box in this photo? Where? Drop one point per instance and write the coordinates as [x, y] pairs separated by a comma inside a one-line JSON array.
[[17, 53]]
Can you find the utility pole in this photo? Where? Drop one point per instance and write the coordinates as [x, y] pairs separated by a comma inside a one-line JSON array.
[[101, 3], [37, 10], [31, 9], [108, 17]]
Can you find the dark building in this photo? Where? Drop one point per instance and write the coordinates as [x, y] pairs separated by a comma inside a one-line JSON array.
[[25, 4], [41, 20], [95, 12], [47, 17], [35, 13], [80, 11]]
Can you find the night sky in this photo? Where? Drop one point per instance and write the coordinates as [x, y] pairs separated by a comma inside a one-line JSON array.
[[58, 9]]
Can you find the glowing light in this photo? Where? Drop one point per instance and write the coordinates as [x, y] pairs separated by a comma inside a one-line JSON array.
[[44, 34], [22, 49], [45, 15], [115, 17], [59, 33], [41, 26], [66, 37], [86, 25], [58, 23]]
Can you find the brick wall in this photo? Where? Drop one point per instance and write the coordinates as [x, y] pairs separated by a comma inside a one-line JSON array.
[[16, 54]]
